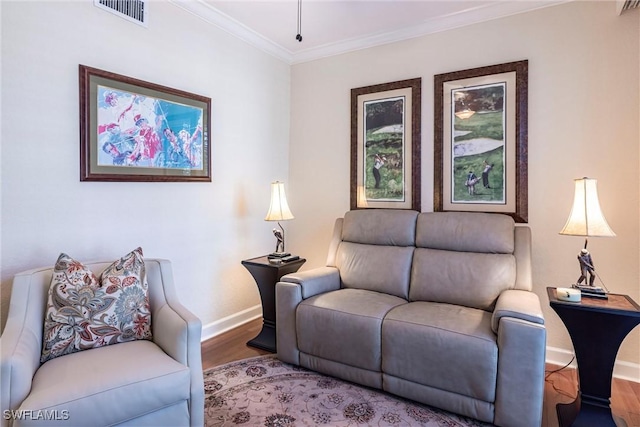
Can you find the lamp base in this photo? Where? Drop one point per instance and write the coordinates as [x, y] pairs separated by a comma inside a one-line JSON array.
[[591, 291], [278, 254]]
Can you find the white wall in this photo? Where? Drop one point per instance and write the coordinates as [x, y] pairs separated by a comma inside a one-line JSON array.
[[584, 77], [206, 229]]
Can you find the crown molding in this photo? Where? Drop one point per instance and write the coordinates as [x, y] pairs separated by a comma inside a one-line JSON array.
[[226, 23], [447, 22], [470, 16]]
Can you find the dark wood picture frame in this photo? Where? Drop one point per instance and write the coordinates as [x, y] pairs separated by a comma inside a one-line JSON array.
[[449, 94], [156, 133], [402, 176]]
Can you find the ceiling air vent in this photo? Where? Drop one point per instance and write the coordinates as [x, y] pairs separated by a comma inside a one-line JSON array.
[[624, 5], [131, 10]]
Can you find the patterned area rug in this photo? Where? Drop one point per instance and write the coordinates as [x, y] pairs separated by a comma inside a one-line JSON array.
[[262, 391]]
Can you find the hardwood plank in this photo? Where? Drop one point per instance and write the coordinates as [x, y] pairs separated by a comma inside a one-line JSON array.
[[231, 345], [559, 387]]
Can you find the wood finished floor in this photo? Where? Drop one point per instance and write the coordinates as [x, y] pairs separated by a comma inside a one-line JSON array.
[[560, 387]]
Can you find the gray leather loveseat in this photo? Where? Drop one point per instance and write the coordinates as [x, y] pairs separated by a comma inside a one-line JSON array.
[[434, 307]]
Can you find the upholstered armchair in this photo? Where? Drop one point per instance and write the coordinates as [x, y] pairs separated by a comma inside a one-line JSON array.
[[155, 382]]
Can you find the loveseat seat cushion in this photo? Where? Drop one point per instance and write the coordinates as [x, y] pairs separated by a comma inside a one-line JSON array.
[[463, 278], [344, 326], [444, 346], [111, 385]]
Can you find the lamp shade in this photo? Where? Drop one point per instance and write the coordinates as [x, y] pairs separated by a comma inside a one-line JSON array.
[[586, 218], [279, 208]]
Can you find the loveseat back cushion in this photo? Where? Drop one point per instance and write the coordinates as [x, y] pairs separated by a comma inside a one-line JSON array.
[[461, 278], [385, 269], [466, 232], [375, 250], [390, 227]]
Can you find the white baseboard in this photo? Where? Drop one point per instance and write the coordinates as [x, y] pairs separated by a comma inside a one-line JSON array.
[[624, 370], [227, 323]]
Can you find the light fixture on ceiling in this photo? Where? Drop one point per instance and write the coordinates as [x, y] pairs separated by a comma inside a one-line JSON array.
[[299, 35]]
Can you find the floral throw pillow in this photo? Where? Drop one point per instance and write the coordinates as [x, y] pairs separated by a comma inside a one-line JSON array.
[[84, 312]]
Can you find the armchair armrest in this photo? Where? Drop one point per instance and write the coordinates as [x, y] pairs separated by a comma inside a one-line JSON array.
[[179, 332], [21, 342], [290, 291], [524, 305], [20, 358]]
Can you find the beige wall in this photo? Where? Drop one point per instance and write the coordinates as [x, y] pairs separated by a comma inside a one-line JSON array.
[[205, 229], [583, 113]]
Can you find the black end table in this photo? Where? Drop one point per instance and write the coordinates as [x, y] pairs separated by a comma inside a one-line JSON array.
[[597, 328], [266, 276]]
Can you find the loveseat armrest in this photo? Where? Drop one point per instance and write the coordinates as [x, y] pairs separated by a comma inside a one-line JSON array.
[[316, 281], [524, 305], [519, 325], [290, 291]]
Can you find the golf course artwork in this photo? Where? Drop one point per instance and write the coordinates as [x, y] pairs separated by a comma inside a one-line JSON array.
[[385, 145], [480, 140], [384, 173], [478, 144]]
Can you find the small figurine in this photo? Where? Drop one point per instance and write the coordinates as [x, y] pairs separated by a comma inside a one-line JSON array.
[[279, 240], [586, 267]]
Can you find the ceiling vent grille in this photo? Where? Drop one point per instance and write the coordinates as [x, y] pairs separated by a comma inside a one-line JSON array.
[[624, 5], [131, 10]]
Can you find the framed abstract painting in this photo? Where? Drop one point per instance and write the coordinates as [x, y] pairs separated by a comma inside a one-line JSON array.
[[480, 140], [385, 145], [132, 130]]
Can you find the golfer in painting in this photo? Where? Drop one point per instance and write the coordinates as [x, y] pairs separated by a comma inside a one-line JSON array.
[[485, 174], [378, 162], [471, 182]]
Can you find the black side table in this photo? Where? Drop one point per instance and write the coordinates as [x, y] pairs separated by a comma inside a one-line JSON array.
[[266, 276], [597, 328]]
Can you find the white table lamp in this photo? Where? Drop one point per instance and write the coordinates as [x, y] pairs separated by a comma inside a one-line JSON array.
[[586, 219], [278, 211]]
